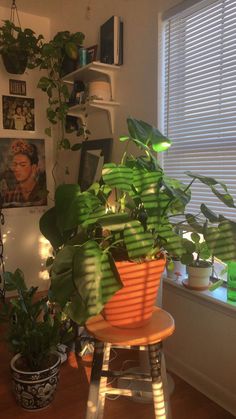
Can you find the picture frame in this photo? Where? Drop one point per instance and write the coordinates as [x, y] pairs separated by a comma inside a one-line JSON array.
[[94, 153], [23, 179], [17, 87], [91, 53], [18, 113]]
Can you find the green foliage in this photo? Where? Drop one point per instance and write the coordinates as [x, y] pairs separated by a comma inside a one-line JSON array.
[[218, 231], [34, 332], [53, 54], [89, 231], [16, 41], [195, 246]]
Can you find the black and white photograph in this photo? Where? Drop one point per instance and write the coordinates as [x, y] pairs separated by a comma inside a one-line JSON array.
[[18, 113], [22, 173]]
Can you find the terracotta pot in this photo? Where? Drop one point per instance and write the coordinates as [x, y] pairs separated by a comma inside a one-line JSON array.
[[34, 390], [132, 306]]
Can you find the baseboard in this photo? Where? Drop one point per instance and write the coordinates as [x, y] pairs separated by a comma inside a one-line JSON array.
[[202, 383]]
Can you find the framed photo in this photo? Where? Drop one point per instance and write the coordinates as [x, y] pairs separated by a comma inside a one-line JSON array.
[[94, 154], [17, 87], [22, 172], [91, 53], [18, 113]]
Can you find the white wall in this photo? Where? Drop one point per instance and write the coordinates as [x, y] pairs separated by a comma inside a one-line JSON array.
[[202, 348], [23, 245]]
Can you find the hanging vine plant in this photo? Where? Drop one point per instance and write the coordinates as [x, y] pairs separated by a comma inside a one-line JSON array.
[[54, 57], [19, 48]]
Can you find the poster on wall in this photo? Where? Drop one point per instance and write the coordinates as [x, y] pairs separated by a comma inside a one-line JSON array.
[[22, 173], [18, 113]]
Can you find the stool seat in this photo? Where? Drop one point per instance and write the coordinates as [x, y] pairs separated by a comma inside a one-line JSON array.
[[160, 327]]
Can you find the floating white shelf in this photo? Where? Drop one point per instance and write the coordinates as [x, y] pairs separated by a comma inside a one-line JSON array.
[[86, 74], [78, 110]]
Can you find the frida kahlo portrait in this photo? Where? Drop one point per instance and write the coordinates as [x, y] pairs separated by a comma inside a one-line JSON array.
[[22, 173]]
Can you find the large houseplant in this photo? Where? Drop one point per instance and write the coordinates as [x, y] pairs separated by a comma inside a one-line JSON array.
[[33, 335], [19, 48], [55, 56], [124, 217]]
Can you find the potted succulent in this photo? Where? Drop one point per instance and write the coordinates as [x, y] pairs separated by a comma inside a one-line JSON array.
[[33, 337], [19, 48], [55, 56], [121, 222]]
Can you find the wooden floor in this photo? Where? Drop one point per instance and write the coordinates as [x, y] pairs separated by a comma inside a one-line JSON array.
[[70, 400]]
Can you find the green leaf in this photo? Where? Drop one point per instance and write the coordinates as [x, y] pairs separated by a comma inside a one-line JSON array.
[[66, 204], [62, 282], [192, 221], [48, 131], [144, 134], [195, 237], [226, 198], [65, 143], [76, 146], [221, 240], [209, 214], [48, 227], [120, 176], [137, 241], [14, 281]]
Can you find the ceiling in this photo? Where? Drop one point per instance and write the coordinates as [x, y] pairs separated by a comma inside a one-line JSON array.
[[36, 7]]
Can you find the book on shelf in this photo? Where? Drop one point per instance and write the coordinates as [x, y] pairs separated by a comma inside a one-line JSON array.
[[111, 41]]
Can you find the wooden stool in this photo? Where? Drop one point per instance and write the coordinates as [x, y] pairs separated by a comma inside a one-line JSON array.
[[150, 337]]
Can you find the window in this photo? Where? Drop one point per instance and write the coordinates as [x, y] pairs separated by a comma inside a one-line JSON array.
[[200, 98]]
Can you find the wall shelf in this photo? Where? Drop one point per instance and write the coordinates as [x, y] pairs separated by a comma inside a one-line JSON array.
[[108, 106], [88, 73]]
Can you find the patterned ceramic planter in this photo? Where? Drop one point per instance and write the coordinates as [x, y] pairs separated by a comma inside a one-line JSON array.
[[35, 390]]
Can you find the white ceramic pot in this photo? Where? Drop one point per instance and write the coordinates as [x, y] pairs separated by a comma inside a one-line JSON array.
[[100, 90], [199, 276]]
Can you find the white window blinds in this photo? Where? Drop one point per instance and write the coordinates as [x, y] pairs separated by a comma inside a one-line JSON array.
[[200, 98]]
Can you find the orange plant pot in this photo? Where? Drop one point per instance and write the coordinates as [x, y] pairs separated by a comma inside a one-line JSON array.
[[132, 306]]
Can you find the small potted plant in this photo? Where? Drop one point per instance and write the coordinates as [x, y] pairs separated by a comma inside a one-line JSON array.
[[19, 48], [33, 336], [196, 257], [115, 233]]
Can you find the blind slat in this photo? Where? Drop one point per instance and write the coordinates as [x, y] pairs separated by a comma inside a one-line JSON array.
[[200, 98]]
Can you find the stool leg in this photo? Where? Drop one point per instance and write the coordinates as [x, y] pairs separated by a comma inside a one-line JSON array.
[[103, 381], [165, 385], [93, 397], [157, 385]]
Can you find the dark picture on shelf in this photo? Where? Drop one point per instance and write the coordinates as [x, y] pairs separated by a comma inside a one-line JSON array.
[[91, 53], [94, 154], [22, 173], [18, 113]]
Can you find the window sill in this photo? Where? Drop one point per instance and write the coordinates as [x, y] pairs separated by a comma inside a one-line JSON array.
[[216, 299]]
